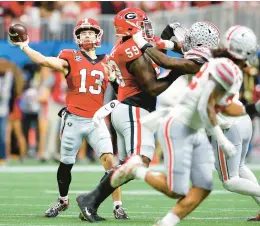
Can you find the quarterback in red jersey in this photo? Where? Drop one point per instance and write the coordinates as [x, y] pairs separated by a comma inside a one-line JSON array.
[[87, 80]]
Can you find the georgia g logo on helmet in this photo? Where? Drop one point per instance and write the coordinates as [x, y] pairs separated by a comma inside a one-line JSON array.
[[130, 16]]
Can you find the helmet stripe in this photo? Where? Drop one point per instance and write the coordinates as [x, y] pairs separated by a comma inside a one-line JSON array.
[[230, 34], [213, 25]]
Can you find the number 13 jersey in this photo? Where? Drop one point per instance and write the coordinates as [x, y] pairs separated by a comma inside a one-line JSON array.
[[87, 82]]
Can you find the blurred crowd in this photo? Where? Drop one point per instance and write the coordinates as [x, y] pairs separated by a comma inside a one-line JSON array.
[[32, 13]]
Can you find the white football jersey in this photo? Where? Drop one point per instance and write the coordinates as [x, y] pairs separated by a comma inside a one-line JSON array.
[[223, 70], [171, 95], [186, 110]]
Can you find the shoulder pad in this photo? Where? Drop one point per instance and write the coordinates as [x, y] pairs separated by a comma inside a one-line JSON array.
[[128, 51], [67, 54], [199, 54]]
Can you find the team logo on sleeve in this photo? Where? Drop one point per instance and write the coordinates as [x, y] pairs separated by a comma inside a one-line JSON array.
[[78, 58], [112, 105], [130, 16]]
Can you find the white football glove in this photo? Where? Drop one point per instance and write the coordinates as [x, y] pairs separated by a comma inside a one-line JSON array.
[[20, 44], [104, 111], [226, 146], [174, 25], [139, 39]]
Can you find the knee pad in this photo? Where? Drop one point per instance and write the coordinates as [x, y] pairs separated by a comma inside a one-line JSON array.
[[68, 160]]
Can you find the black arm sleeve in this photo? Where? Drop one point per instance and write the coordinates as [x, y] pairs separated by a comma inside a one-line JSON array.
[[251, 110], [114, 86]]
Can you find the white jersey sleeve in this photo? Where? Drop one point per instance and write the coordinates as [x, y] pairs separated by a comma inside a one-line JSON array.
[[199, 55]]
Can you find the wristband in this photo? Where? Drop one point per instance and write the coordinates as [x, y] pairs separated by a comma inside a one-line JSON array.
[[145, 47], [23, 45]]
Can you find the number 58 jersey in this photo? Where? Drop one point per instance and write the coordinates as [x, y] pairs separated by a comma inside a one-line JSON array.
[[87, 82]]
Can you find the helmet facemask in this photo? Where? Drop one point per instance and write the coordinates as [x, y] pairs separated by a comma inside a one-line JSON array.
[[88, 37], [147, 29]]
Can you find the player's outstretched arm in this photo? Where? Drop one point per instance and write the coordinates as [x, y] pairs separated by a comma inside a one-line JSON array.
[[184, 65], [172, 63], [51, 62], [143, 70], [237, 109]]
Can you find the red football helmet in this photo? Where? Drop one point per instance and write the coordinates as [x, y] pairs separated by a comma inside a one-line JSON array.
[[128, 21], [88, 24]]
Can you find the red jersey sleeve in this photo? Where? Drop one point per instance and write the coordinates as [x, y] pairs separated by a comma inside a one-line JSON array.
[[66, 54]]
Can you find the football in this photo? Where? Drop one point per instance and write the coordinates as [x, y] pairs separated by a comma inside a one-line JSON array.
[[17, 33]]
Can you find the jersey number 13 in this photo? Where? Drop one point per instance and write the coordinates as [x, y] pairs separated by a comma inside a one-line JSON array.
[[92, 89]]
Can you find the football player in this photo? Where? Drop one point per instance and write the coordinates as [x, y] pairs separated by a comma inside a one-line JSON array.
[[241, 43], [188, 153], [137, 91], [87, 80]]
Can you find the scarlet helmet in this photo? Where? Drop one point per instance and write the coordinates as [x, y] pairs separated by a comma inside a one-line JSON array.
[[88, 24], [128, 21]]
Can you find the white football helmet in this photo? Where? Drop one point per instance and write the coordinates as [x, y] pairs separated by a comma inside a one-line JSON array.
[[228, 75], [201, 34], [241, 43]]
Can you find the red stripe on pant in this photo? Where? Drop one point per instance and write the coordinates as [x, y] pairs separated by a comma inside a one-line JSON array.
[[223, 164], [139, 131], [170, 153]]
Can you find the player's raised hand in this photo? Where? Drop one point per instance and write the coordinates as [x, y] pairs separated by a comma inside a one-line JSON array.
[[163, 44], [168, 31], [20, 44], [174, 25], [110, 71], [18, 36]]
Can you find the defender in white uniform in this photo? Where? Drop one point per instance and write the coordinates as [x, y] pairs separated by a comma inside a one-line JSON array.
[[187, 151], [241, 43]]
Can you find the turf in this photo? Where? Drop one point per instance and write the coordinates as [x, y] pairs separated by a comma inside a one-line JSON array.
[[25, 196]]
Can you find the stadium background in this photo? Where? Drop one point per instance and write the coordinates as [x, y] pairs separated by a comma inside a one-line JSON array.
[[32, 131]]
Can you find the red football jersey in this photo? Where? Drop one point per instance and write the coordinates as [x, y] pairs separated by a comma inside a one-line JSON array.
[[87, 82], [121, 54]]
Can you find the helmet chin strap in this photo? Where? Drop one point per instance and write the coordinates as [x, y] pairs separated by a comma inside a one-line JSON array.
[[88, 48]]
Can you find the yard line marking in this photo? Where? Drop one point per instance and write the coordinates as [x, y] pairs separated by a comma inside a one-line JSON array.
[[208, 210], [76, 215], [136, 192], [96, 169]]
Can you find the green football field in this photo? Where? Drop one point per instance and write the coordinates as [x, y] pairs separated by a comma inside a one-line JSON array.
[[26, 193]]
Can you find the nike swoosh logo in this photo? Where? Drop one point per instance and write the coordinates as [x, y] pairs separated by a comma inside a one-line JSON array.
[[87, 212]]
